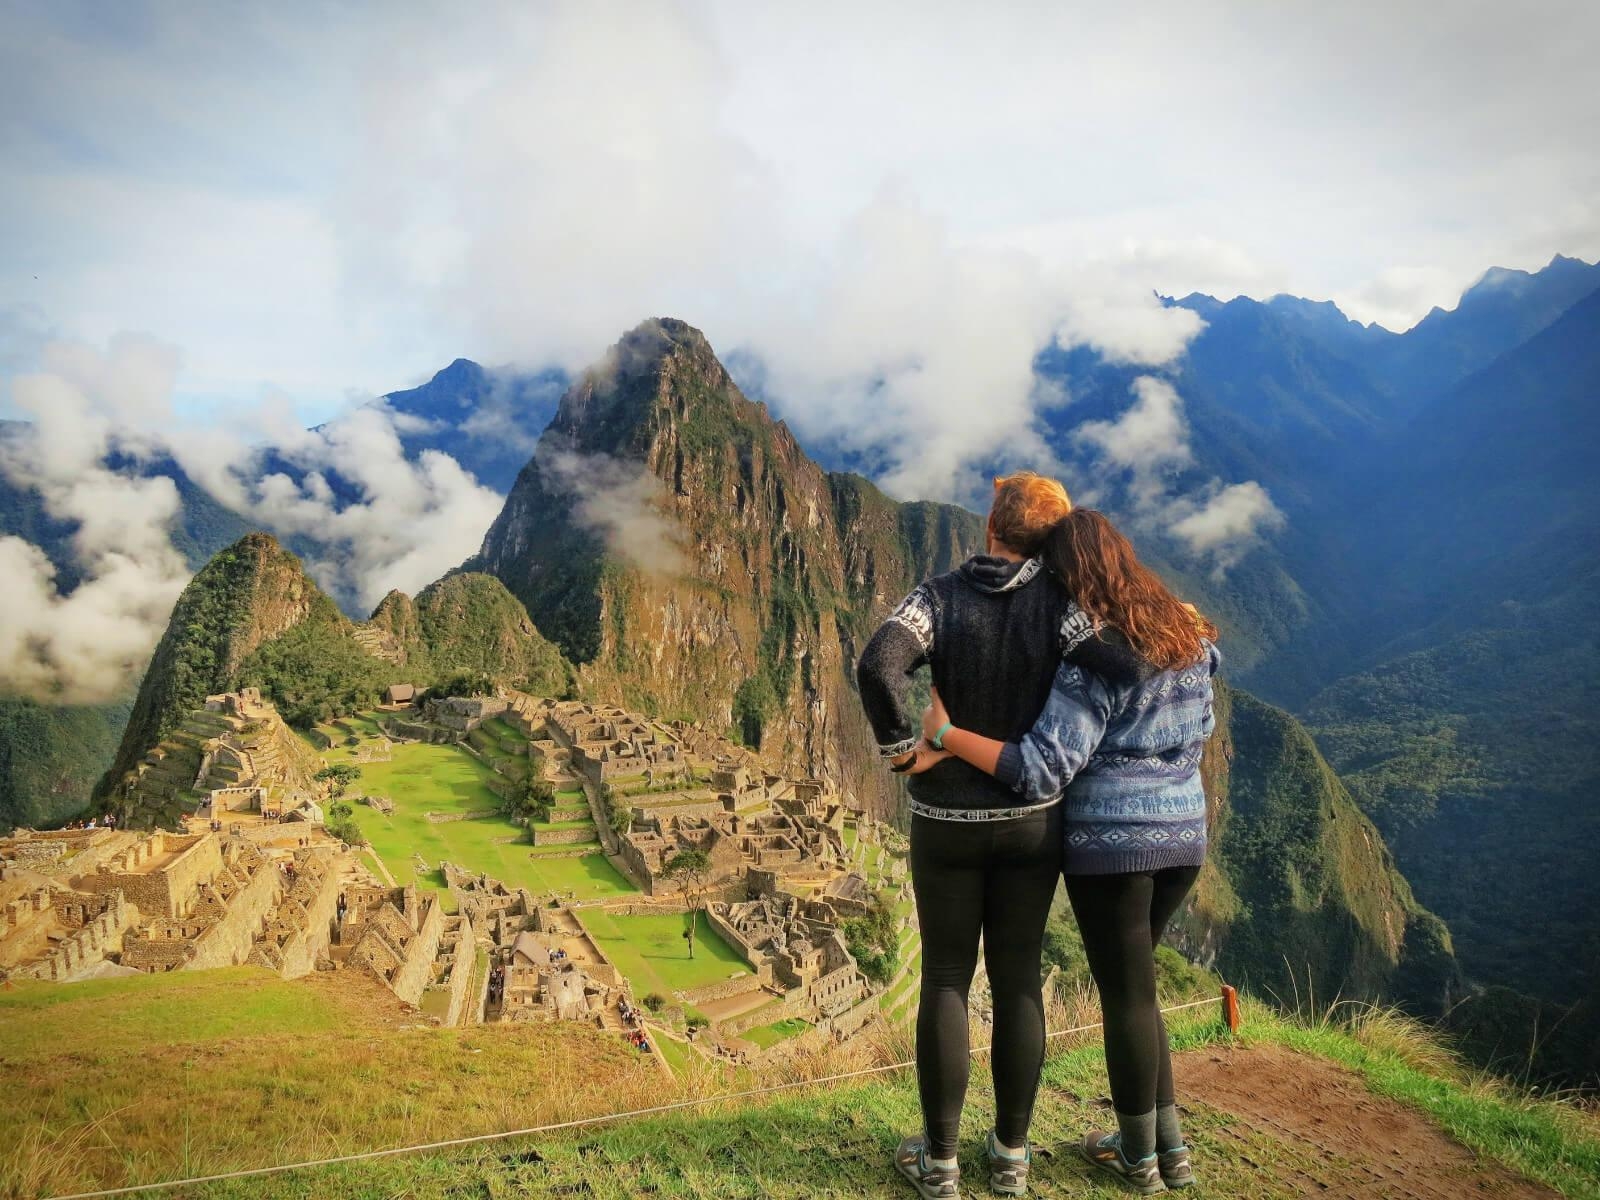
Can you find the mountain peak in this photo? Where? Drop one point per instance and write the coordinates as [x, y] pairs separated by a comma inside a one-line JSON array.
[[660, 368]]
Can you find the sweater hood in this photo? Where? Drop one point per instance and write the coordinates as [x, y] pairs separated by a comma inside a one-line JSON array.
[[990, 574]]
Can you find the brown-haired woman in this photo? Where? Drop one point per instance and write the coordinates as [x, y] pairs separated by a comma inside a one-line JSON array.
[[1121, 737]]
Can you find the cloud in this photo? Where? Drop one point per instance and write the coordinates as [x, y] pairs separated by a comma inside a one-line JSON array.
[[1149, 436], [371, 519], [92, 644], [1226, 525], [344, 493], [1148, 447], [622, 502]]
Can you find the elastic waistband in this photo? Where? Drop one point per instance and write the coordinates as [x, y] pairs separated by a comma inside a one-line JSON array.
[[979, 814]]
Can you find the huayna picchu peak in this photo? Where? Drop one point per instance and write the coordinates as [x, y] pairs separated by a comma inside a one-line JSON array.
[[680, 547]]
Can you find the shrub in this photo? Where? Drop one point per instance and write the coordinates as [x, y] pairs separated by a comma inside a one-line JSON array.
[[346, 830], [655, 1002]]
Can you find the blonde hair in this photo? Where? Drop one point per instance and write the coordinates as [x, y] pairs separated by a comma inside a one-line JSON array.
[[1026, 505]]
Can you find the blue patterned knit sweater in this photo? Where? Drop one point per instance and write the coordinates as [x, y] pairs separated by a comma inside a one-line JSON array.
[[1127, 753]]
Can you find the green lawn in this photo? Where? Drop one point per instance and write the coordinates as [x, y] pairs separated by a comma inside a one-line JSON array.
[[779, 1031], [654, 955], [422, 778]]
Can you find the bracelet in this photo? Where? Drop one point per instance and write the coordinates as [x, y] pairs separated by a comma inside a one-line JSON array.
[[902, 768], [937, 740]]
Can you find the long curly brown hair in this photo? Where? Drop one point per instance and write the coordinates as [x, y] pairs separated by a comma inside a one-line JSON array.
[[1100, 570]]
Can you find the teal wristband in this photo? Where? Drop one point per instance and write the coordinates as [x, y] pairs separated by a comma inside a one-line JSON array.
[[937, 740]]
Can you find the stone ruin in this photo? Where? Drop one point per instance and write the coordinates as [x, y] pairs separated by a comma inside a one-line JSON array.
[[404, 938], [798, 945], [233, 753], [79, 903]]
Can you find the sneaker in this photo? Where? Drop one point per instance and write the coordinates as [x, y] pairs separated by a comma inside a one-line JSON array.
[[1008, 1175], [931, 1182], [1104, 1150], [1175, 1169]]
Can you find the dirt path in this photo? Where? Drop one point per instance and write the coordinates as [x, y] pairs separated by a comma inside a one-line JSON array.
[[1350, 1142]]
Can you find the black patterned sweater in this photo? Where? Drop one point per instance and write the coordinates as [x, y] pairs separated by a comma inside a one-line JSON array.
[[989, 630]]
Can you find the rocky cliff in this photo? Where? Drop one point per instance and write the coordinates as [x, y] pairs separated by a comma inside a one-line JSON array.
[[683, 550]]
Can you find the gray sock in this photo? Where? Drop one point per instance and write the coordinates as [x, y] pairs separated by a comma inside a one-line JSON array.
[[1168, 1135], [1138, 1135]]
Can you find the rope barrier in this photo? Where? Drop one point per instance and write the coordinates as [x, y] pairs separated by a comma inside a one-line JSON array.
[[557, 1127]]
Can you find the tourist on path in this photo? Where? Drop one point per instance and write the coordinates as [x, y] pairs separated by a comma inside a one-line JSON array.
[[1122, 735], [982, 865]]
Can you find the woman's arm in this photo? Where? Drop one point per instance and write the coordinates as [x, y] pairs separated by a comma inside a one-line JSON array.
[[900, 646], [1042, 764], [969, 747]]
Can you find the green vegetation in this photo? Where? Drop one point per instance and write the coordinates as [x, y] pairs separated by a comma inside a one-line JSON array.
[[469, 622], [871, 939], [51, 758], [534, 801], [316, 671], [1483, 785], [652, 951], [210, 629], [1300, 886], [690, 870]]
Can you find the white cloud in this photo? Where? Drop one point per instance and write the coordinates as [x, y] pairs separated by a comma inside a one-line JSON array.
[[92, 644], [389, 523], [1150, 435], [622, 502], [1227, 524], [1148, 447]]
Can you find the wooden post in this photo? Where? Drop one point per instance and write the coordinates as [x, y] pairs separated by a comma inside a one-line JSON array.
[[1230, 1008]]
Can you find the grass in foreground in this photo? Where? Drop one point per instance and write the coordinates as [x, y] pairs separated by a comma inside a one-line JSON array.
[[250, 1090], [1553, 1142], [164, 1076]]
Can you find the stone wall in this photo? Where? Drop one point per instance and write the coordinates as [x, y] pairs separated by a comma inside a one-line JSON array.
[[741, 986], [309, 942], [458, 953], [565, 837], [91, 943], [415, 970], [227, 943], [169, 890]]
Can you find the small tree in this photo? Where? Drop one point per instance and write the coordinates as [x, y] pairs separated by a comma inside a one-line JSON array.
[[338, 777], [691, 871], [533, 800]]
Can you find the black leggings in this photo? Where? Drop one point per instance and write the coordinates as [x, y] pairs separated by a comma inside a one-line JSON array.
[[994, 878], [1122, 917]]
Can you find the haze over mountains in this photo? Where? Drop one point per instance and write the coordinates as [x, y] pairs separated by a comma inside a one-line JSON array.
[[1396, 531]]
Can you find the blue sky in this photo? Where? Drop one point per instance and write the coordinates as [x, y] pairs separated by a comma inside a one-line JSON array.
[[324, 201]]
